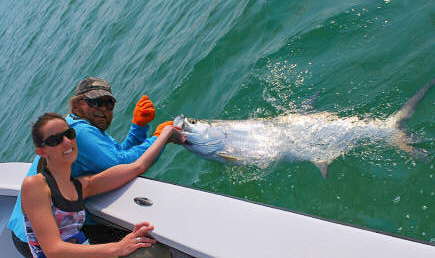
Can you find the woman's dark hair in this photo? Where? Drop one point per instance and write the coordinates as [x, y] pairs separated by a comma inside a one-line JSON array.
[[37, 134], [36, 128]]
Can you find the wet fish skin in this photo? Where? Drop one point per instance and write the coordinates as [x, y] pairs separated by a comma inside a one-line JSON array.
[[316, 137]]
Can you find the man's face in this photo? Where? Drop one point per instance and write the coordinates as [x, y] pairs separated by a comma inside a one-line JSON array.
[[99, 116]]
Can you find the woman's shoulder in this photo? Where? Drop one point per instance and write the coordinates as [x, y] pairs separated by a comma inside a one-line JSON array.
[[35, 179], [34, 184], [35, 195]]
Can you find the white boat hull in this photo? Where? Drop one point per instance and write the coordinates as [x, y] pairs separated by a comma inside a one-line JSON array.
[[208, 225], [203, 224], [12, 175], [7, 246]]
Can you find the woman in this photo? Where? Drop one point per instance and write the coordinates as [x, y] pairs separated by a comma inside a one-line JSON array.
[[52, 202]]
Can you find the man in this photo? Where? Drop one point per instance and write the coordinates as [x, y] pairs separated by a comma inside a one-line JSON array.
[[91, 114]]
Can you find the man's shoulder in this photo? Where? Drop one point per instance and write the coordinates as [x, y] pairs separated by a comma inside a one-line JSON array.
[[81, 125], [85, 131], [72, 119], [78, 123]]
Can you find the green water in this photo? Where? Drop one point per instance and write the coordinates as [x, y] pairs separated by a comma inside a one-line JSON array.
[[239, 60]]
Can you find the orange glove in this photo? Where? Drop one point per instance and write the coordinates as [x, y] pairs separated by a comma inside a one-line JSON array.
[[161, 126], [144, 112]]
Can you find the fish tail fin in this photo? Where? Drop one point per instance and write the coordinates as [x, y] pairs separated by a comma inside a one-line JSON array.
[[408, 108], [397, 120]]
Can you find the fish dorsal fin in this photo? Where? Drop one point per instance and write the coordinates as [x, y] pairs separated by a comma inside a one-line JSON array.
[[228, 158], [323, 167]]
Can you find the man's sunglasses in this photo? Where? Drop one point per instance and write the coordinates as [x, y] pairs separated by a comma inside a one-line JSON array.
[[56, 139], [99, 102]]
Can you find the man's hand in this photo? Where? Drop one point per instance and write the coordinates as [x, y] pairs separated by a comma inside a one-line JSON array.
[[144, 112]]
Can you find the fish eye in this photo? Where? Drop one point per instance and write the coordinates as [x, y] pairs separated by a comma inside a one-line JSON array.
[[192, 121]]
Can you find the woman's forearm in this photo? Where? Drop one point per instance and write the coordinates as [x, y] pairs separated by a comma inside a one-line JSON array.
[[66, 250], [138, 238], [119, 175]]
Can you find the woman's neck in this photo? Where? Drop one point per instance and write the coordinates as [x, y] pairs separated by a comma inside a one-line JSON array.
[[60, 171]]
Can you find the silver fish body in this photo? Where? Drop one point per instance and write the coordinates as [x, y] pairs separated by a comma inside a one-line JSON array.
[[319, 138], [316, 137]]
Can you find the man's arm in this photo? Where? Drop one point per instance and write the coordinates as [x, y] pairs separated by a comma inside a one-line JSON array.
[[137, 135], [119, 175], [143, 114], [99, 151]]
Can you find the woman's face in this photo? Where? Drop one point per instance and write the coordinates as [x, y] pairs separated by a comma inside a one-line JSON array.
[[66, 151]]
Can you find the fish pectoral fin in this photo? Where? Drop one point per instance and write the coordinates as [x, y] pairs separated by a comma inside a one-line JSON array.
[[323, 167], [229, 158]]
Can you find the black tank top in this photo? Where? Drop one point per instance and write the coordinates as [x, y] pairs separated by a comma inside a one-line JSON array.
[[69, 216], [58, 200]]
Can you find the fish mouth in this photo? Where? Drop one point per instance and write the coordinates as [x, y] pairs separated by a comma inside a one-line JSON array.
[[189, 128], [182, 122], [179, 121]]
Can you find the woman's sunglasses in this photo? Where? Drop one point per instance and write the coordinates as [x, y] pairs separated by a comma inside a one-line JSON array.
[[109, 103], [56, 139]]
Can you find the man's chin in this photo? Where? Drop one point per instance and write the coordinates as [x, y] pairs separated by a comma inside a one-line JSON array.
[[102, 126]]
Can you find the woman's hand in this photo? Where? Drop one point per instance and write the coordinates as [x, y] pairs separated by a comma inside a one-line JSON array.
[[175, 134], [136, 239]]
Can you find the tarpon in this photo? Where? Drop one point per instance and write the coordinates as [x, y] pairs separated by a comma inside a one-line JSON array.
[[316, 137]]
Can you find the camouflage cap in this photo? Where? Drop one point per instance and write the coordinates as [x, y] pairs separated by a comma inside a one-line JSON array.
[[93, 87]]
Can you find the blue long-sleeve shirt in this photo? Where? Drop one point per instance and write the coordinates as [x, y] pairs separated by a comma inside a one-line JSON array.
[[97, 152]]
